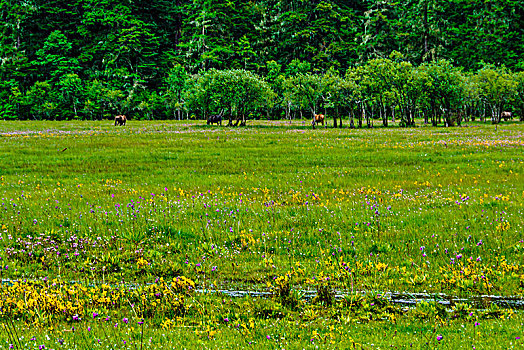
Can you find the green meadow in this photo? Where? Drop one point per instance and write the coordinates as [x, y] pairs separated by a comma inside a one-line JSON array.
[[153, 235]]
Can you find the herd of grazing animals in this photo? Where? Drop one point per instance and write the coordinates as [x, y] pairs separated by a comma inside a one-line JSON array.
[[317, 119]]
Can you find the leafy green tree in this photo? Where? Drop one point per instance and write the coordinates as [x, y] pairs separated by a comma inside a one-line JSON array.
[[8, 108], [297, 66], [482, 31], [519, 96], [497, 87], [351, 95], [444, 85], [304, 90], [251, 93], [220, 34], [377, 77], [471, 96], [71, 94], [406, 86], [275, 78], [41, 100], [236, 91], [379, 35], [102, 101], [175, 83], [54, 57], [332, 97]]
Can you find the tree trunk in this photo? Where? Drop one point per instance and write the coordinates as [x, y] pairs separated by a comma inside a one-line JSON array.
[[425, 30], [362, 115]]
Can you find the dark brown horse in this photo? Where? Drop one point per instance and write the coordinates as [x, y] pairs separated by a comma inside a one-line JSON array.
[[217, 118], [120, 120]]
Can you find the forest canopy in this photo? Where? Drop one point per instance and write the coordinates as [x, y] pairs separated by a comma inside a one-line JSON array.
[[89, 59]]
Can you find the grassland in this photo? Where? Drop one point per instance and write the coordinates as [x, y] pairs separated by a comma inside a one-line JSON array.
[[143, 223]]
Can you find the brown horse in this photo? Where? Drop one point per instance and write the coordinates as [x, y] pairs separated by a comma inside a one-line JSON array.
[[318, 119], [506, 116], [120, 120]]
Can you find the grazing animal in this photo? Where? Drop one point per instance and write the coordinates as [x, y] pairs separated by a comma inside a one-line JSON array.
[[217, 118], [120, 120], [506, 115], [318, 119]]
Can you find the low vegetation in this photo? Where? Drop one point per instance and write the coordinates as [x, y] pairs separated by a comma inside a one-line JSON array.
[[158, 235]]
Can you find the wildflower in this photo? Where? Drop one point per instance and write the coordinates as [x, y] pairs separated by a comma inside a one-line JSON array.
[[89, 329], [439, 337], [116, 325], [477, 324], [141, 322], [268, 337], [95, 315], [125, 320], [213, 268], [41, 347]]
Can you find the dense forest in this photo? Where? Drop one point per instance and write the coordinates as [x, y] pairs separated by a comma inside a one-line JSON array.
[[444, 61]]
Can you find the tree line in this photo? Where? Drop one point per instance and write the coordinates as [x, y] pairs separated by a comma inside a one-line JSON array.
[[389, 89], [384, 59]]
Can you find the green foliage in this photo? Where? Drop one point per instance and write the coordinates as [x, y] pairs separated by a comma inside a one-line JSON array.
[[497, 86], [234, 91], [41, 100], [304, 90], [9, 96], [175, 85], [143, 47], [54, 57], [519, 96]]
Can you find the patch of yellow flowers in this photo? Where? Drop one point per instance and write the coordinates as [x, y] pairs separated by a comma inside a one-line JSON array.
[[56, 300]]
